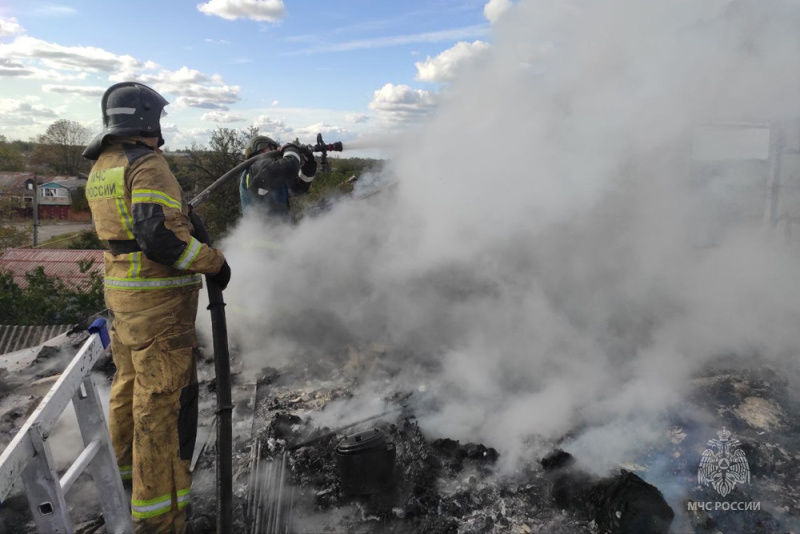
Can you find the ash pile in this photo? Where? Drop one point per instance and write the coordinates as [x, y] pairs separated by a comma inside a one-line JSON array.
[[385, 472]]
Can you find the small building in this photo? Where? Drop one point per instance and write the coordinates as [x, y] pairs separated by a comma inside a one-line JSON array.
[[57, 194], [63, 264], [16, 191]]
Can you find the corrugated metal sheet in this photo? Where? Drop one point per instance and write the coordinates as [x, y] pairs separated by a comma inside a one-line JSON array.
[[15, 337], [57, 263]]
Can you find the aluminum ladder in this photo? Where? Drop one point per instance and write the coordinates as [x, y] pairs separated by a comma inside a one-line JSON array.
[[28, 456]]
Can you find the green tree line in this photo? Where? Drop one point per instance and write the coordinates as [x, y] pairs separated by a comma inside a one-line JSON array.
[[58, 150], [199, 166], [46, 300]]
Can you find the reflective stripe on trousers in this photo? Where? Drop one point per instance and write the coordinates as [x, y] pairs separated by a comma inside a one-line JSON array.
[[126, 472], [159, 505]]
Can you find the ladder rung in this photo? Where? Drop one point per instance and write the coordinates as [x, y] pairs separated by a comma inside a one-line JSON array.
[[79, 466]]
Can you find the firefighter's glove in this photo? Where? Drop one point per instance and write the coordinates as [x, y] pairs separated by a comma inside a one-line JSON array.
[[200, 230], [294, 150], [222, 277], [308, 165], [306, 151], [309, 169]]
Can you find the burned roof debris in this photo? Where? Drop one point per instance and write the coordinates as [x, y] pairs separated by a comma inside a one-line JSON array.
[[288, 474]]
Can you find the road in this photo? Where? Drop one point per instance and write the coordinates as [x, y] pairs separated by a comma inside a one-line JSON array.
[[48, 230]]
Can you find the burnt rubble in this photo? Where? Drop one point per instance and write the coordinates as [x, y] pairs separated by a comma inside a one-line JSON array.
[[443, 485], [622, 503], [287, 478]]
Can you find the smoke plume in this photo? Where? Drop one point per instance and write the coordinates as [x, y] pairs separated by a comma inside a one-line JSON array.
[[553, 257]]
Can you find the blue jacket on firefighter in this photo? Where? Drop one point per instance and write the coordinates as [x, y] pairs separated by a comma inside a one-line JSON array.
[[270, 182]]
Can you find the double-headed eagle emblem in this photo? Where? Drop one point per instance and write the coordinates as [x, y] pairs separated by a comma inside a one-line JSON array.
[[726, 467]]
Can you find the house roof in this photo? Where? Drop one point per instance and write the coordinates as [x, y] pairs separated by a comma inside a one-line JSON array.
[[57, 263], [71, 183], [16, 180]]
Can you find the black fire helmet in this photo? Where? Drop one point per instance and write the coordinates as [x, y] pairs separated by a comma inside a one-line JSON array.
[[130, 109], [258, 143]]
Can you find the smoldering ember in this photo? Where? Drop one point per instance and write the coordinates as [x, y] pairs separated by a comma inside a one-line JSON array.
[[567, 304]]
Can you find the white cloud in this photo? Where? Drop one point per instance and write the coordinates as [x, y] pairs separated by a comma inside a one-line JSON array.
[[178, 77], [21, 58], [81, 58], [356, 118], [55, 10], [400, 40], [276, 129], [191, 87], [169, 128], [218, 41], [19, 112], [75, 89], [262, 10], [401, 103], [494, 9], [198, 132], [177, 139], [274, 102], [206, 97], [241, 61], [199, 102], [444, 67], [310, 132], [14, 69], [221, 116], [10, 27], [9, 68]]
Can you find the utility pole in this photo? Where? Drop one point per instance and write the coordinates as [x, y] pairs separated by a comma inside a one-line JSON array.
[[35, 209]]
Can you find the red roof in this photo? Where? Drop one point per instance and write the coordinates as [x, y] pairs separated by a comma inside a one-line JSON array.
[[57, 263]]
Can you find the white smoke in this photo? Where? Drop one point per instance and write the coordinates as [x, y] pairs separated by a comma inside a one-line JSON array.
[[551, 251]]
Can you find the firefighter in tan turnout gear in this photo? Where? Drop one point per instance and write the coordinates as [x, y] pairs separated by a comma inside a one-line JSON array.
[[152, 282]]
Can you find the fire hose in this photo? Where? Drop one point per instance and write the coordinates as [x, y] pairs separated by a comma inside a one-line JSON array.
[[219, 331], [320, 147]]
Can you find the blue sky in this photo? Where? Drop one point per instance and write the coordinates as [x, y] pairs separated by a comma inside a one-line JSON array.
[[349, 68]]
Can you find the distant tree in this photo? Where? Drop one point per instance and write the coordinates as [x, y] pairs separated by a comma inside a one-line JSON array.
[[11, 156], [204, 165], [79, 201], [87, 240], [9, 295], [11, 235], [331, 184], [47, 300], [60, 148]]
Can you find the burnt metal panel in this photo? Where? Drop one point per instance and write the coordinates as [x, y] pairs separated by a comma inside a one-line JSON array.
[[18, 337]]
